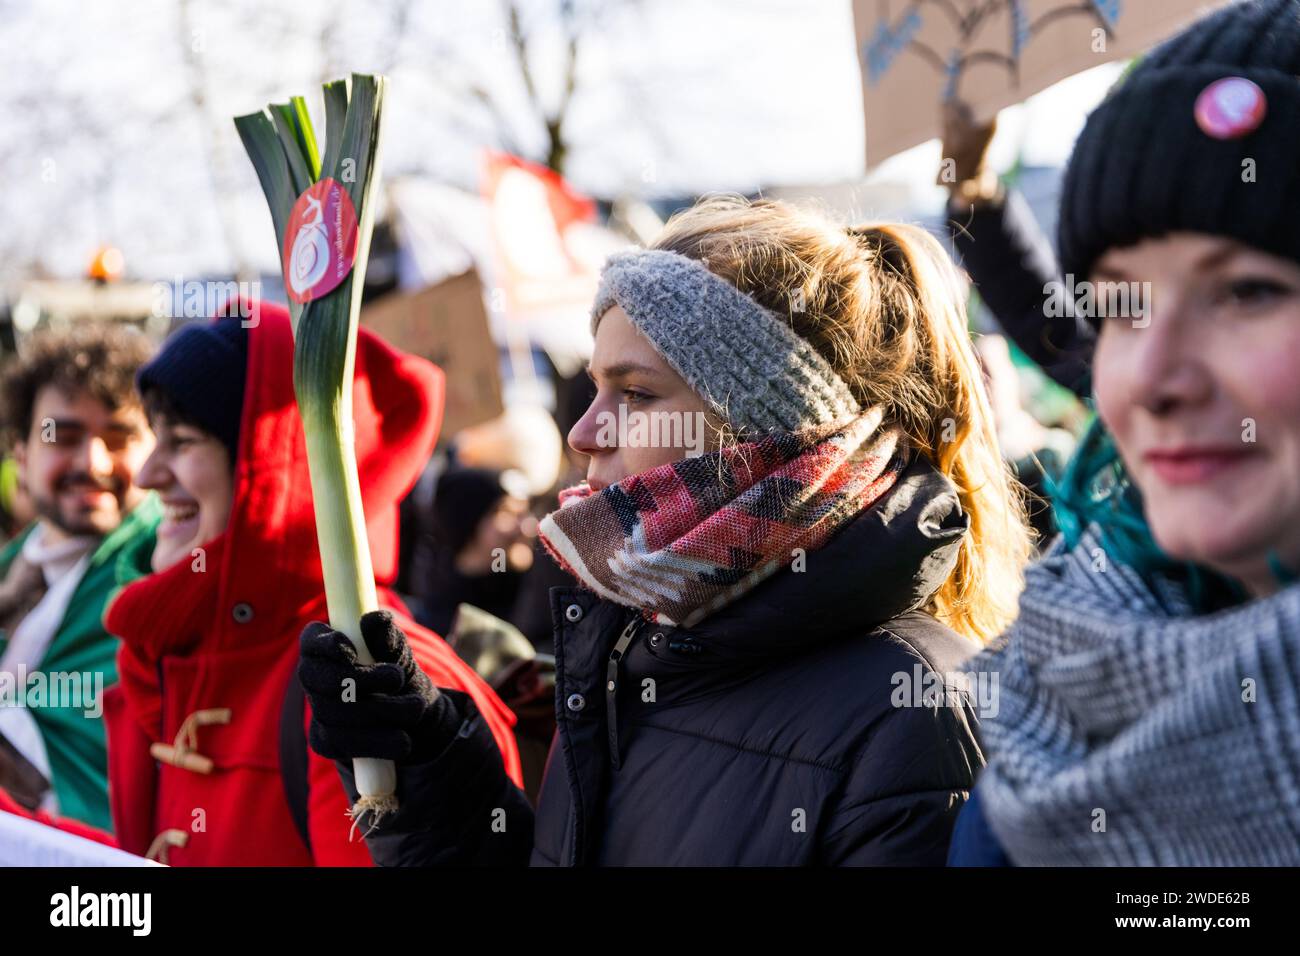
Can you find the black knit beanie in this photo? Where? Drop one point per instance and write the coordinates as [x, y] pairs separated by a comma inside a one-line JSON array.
[[201, 370], [464, 496], [1146, 165]]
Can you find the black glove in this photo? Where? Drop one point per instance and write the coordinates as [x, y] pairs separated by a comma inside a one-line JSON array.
[[390, 711]]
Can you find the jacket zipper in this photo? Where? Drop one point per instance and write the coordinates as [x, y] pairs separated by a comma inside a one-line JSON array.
[[611, 685]]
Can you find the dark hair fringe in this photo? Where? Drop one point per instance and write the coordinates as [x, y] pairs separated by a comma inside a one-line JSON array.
[[159, 404]]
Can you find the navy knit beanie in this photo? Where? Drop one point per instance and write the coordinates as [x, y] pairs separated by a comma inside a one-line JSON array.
[[201, 369], [463, 497], [1145, 165]]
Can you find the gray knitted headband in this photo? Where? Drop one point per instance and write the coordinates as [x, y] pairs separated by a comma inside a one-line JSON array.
[[744, 360]]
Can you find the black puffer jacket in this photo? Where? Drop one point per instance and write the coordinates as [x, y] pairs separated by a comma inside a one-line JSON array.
[[765, 735]]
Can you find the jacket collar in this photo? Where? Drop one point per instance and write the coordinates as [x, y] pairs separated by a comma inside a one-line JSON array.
[[165, 612], [891, 559]]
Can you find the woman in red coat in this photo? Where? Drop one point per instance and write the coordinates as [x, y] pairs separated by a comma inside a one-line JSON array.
[[208, 760]]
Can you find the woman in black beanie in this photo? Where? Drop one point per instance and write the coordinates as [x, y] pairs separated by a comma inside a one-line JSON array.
[[206, 714], [1147, 707], [481, 533], [193, 391]]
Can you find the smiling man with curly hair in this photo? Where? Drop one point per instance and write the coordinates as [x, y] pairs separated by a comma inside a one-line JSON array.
[[78, 434]]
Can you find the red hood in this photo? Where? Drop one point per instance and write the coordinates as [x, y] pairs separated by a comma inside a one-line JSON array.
[[267, 558]]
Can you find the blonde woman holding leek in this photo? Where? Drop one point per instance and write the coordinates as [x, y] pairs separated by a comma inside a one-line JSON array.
[[746, 666]]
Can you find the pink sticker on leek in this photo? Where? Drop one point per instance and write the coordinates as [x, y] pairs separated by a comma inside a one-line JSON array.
[[320, 241]]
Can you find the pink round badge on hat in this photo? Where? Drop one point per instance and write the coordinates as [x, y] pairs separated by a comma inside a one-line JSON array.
[[1230, 108]]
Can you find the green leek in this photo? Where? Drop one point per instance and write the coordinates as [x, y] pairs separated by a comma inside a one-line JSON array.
[[282, 146]]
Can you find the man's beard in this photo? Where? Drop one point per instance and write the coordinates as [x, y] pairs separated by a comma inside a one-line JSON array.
[[74, 520]]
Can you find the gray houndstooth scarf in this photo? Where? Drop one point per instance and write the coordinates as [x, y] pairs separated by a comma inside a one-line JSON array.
[[1132, 732]]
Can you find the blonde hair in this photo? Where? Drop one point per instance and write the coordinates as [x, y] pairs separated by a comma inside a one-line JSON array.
[[886, 307]]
